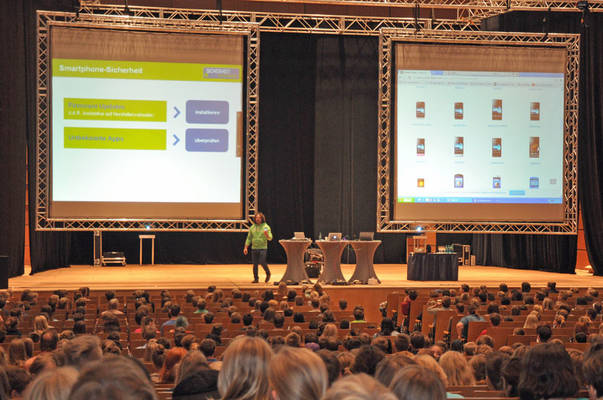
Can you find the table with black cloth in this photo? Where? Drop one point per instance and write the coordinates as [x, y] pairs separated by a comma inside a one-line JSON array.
[[296, 269], [433, 267]]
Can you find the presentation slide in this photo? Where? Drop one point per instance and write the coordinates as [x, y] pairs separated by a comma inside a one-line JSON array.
[[138, 132], [479, 144]]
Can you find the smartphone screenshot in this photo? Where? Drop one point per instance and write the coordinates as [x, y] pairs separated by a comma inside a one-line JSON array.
[[535, 111], [496, 183], [459, 181], [458, 110], [459, 146], [420, 109], [534, 146], [496, 147], [497, 109], [420, 146]]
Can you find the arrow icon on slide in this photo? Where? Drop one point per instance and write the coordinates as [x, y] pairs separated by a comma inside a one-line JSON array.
[[177, 140], [177, 112]]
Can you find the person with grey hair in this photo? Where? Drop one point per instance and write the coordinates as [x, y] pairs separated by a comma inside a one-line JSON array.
[[82, 350], [113, 378]]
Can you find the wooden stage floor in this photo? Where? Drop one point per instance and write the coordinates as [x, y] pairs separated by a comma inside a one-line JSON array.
[[229, 276]]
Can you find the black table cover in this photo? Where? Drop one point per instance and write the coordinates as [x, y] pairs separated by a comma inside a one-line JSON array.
[[433, 267]]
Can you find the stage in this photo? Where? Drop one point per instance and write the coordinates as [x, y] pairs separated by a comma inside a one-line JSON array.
[[239, 275]]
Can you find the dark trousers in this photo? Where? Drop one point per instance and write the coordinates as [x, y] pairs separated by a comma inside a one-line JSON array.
[[258, 256]]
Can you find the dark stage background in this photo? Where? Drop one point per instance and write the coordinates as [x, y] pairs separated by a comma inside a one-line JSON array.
[[317, 153]]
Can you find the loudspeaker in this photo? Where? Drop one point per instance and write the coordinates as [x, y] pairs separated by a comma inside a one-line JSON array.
[[3, 272], [97, 247]]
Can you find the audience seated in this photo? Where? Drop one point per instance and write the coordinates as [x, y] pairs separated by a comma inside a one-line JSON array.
[[220, 344]]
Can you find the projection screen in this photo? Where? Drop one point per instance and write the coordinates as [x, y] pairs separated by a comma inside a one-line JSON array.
[[478, 132], [146, 124]]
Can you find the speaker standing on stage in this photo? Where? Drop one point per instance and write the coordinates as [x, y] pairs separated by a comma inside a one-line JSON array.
[[258, 237]]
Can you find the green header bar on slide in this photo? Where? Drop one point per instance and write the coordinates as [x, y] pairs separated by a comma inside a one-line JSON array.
[[115, 110], [162, 71], [114, 138]]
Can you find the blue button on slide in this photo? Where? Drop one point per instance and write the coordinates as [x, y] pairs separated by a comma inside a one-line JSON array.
[[206, 112], [207, 140]]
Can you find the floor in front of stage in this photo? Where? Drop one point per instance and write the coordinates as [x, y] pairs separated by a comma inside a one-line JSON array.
[[229, 276]]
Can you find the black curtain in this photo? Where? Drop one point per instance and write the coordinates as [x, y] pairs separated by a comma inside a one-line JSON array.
[[48, 250], [12, 136], [558, 253], [345, 173]]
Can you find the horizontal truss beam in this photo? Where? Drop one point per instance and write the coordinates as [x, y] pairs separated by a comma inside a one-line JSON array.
[[274, 22]]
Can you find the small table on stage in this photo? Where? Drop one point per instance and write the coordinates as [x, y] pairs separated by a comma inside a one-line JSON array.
[[296, 270], [433, 267], [332, 250], [365, 251]]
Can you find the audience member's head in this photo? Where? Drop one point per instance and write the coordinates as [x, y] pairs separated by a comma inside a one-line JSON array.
[[547, 372], [544, 333], [402, 342], [431, 364], [331, 363], [417, 383], [17, 353], [478, 365], [592, 369], [18, 379], [82, 350], [192, 363], [244, 372], [389, 366], [113, 378], [49, 340], [457, 369], [494, 366], [52, 385], [367, 359], [167, 374], [358, 387], [298, 374]]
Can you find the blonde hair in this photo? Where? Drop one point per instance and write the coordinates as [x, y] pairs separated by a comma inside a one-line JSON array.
[[431, 364], [547, 303], [52, 385], [40, 323], [244, 373], [358, 387], [330, 331], [298, 374], [457, 369], [531, 321]]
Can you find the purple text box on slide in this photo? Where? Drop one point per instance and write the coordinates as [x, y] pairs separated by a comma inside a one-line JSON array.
[[207, 140], [206, 112]]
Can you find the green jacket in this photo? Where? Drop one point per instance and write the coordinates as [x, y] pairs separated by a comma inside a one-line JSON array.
[[256, 237]]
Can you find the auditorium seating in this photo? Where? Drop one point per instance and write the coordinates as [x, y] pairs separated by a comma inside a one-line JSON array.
[[435, 323]]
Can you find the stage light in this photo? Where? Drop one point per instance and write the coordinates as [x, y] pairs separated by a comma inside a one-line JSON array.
[[147, 227], [419, 228]]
